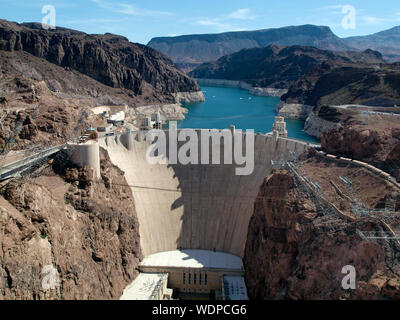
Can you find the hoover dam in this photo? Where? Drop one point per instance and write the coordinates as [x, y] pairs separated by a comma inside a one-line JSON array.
[[195, 206], [193, 215]]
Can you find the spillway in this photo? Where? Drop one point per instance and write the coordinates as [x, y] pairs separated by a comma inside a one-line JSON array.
[[195, 206]]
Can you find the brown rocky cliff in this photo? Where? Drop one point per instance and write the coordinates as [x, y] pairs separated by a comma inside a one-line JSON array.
[[109, 59], [293, 253], [55, 101], [392, 161], [356, 144], [369, 143], [86, 229], [54, 78], [333, 83]]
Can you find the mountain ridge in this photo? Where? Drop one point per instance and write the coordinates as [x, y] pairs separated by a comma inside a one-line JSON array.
[[386, 41], [189, 51], [276, 66], [108, 58], [193, 50]]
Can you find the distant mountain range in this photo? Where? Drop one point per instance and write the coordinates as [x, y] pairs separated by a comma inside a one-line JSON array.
[[351, 83], [189, 51], [312, 76], [278, 67], [387, 42]]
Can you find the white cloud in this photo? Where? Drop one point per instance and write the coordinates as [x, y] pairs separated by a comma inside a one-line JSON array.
[[91, 21], [129, 9], [214, 23], [241, 14], [333, 9], [366, 19], [226, 22], [372, 20]]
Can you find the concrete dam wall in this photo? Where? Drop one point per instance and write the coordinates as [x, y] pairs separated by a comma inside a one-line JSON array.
[[195, 206]]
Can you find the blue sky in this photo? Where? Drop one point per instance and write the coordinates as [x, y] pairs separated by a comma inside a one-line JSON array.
[[140, 20]]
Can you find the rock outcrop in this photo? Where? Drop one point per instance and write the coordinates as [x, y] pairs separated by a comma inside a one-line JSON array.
[[86, 229], [377, 146], [171, 112], [315, 125], [368, 145], [109, 59], [293, 252], [293, 111], [267, 92], [392, 161], [371, 135], [189, 97], [336, 83]]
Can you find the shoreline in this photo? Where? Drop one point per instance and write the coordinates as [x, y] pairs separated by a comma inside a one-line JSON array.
[[256, 91], [170, 111]]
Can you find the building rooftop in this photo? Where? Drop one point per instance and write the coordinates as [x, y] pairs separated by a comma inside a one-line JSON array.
[[147, 286], [118, 117], [194, 259]]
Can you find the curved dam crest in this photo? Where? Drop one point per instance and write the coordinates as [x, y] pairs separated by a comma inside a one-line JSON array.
[[195, 206]]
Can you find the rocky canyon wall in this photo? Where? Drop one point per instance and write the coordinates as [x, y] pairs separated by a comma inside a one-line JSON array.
[[86, 229], [109, 59], [293, 252]]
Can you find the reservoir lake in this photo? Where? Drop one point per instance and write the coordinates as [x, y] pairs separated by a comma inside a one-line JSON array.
[[226, 106]]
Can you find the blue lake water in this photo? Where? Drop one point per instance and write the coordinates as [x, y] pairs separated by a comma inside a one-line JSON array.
[[233, 106]]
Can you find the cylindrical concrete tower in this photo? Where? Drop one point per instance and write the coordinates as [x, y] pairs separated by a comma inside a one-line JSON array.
[[87, 154]]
